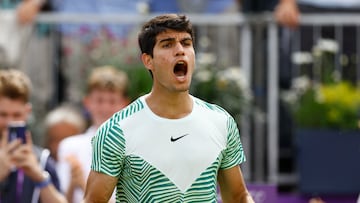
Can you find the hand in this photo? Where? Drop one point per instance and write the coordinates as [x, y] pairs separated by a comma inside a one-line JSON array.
[[5, 155], [24, 158], [27, 11], [316, 200], [77, 173], [287, 13]]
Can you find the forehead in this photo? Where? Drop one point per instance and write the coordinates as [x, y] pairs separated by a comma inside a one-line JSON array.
[[104, 94], [62, 129], [7, 104], [172, 34]]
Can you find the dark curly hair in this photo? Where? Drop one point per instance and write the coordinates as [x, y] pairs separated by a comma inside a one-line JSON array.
[[159, 24]]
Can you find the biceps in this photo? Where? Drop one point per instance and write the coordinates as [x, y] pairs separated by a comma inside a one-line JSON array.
[[231, 182], [99, 187]]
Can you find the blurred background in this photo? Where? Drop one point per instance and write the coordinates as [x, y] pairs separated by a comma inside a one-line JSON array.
[[293, 87]]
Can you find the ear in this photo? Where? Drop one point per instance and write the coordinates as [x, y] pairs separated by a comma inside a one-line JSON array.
[[28, 108], [85, 102], [147, 61]]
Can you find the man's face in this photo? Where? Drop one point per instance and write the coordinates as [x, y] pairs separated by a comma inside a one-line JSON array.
[[102, 104], [173, 61], [56, 133], [12, 110]]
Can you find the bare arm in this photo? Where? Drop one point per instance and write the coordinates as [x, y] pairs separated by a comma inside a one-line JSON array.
[[23, 157], [77, 177], [99, 188], [28, 10], [51, 194], [232, 186]]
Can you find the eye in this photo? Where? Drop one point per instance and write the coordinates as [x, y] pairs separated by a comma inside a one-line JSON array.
[[166, 45], [187, 43], [18, 115], [3, 114]]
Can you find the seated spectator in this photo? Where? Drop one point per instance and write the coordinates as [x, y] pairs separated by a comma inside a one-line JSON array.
[[60, 123], [106, 94]]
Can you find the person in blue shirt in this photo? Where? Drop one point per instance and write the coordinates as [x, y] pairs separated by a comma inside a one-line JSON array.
[[27, 174]]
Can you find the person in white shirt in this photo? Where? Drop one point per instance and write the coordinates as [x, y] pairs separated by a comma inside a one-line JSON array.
[[106, 94], [167, 145], [60, 123]]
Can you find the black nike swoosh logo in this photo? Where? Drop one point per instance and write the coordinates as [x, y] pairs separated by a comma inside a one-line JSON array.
[[174, 139]]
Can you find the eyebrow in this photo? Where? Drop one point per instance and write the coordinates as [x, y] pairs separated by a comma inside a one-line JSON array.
[[173, 39]]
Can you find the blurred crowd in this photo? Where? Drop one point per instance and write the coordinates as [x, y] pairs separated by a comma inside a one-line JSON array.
[[65, 129]]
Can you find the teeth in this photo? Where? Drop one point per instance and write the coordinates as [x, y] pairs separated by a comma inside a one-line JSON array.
[[181, 62]]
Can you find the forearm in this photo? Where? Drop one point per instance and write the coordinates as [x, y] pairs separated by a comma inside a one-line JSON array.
[[232, 186], [71, 191], [70, 194], [244, 197], [50, 194], [28, 10], [37, 2], [96, 194]]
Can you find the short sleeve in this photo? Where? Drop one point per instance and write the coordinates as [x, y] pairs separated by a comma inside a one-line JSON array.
[[234, 153], [108, 150]]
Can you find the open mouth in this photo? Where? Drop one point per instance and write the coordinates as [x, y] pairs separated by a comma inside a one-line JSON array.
[[180, 68]]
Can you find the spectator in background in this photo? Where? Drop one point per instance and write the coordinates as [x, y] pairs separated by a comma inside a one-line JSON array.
[[348, 49], [60, 123], [286, 12], [27, 174], [287, 15], [26, 9], [22, 39], [106, 93], [90, 44], [217, 40]]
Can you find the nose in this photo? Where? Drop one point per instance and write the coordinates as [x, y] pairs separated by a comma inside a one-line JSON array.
[[179, 49]]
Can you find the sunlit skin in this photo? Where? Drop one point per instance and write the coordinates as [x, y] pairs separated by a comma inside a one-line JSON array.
[[169, 88], [27, 11]]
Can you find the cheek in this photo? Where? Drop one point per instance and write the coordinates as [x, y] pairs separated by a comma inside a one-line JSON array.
[[161, 59], [2, 124]]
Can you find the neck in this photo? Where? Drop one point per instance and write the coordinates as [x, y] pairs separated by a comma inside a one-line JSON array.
[[172, 106]]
